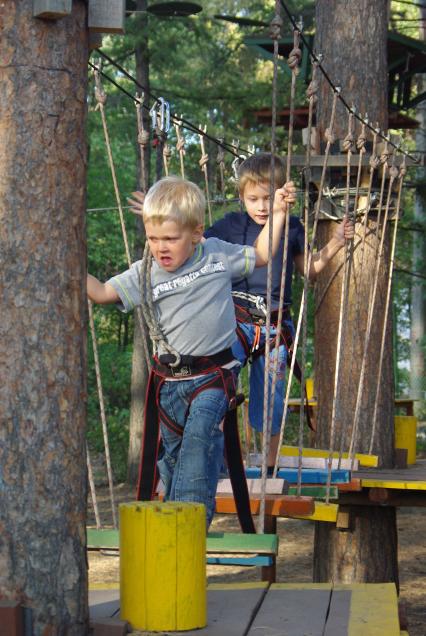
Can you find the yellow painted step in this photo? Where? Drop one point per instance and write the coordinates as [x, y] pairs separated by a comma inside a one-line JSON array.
[[322, 512]]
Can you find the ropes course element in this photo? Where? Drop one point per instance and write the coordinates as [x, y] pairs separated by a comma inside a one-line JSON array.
[[92, 489], [312, 97], [347, 260], [103, 417], [275, 33], [143, 140], [180, 146], [174, 118], [400, 176], [101, 98], [329, 139], [372, 298], [203, 165], [318, 59], [293, 62]]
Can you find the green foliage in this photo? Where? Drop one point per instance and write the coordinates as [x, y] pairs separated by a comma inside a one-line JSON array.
[[115, 368]]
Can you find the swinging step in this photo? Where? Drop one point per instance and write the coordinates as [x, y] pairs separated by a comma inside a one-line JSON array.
[[323, 512], [308, 475], [275, 505], [217, 542], [254, 486], [317, 492], [371, 461], [321, 463]]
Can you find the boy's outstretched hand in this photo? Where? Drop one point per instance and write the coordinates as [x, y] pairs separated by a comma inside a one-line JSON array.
[[345, 231], [136, 202], [284, 197]]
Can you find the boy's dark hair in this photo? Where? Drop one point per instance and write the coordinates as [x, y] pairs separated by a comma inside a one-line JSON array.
[[257, 169]]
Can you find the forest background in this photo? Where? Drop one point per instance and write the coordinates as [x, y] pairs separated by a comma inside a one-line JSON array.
[[202, 66]]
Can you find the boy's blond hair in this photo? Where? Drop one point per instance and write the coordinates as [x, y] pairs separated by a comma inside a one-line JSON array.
[[175, 199], [257, 169]]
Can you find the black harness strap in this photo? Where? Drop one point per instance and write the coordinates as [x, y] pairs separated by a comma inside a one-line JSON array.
[[223, 379]]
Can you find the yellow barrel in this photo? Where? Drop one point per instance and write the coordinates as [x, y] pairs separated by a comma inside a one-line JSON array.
[[405, 435], [163, 565]]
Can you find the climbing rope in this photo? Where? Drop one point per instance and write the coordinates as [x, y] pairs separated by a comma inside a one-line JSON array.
[[372, 299], [293, 62], [329, 139], [275, 33], [92, 489], [347, 260], [101, 100], [204, 167], [102, 412], [394, 175], [143, 140], [180, 146]]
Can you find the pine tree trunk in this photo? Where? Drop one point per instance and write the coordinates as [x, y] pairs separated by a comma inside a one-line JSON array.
[[43, 68], [353, 38]]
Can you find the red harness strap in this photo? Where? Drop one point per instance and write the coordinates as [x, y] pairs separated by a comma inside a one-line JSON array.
[[223, 379]]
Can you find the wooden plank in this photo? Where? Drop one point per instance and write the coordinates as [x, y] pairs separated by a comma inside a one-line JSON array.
[[364, 460], [252, 561], [230, 608], [107, 16], [317, 492], [104, 603], [354, 485], [308, 476], [374, 609], [323, 512], [242, 543], [275, 505], [293, 611], [273, 487], [290, 461], [338, 617], [216, 541], [51, 9], [103, 539]]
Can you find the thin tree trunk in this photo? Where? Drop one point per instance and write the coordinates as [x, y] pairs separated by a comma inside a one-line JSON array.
[[353, 38], [418, 291], [43, 319]]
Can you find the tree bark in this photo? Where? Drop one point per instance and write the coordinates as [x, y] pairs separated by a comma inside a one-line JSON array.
[[43, 69], [353, 38], [139, 367]]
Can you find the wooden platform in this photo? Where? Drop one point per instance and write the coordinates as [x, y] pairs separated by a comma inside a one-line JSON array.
[[286, 609], [411, 478]]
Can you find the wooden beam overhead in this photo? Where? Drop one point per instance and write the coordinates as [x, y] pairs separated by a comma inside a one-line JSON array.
[[51, 9], [107, 16]]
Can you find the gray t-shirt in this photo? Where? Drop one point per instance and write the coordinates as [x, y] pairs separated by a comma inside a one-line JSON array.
[[194, 303]]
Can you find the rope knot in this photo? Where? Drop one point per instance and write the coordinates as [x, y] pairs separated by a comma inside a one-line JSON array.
[[329, 136], [167, 153], [275, 27], [348, 142], [100, 94], [402, 171], [360, 142], [203, 161], [180, 144], [294, 58], [393, 172], [374, 162], [312, 90], [143, 138], [384, 156]]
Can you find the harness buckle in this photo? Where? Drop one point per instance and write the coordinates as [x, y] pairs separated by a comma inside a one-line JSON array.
[[181, 372]]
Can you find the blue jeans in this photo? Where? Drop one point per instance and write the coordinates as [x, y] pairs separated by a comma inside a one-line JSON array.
[[190, 465], [257, 377]]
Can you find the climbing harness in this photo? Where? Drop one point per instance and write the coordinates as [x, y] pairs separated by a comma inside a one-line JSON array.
[[223, 378]]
